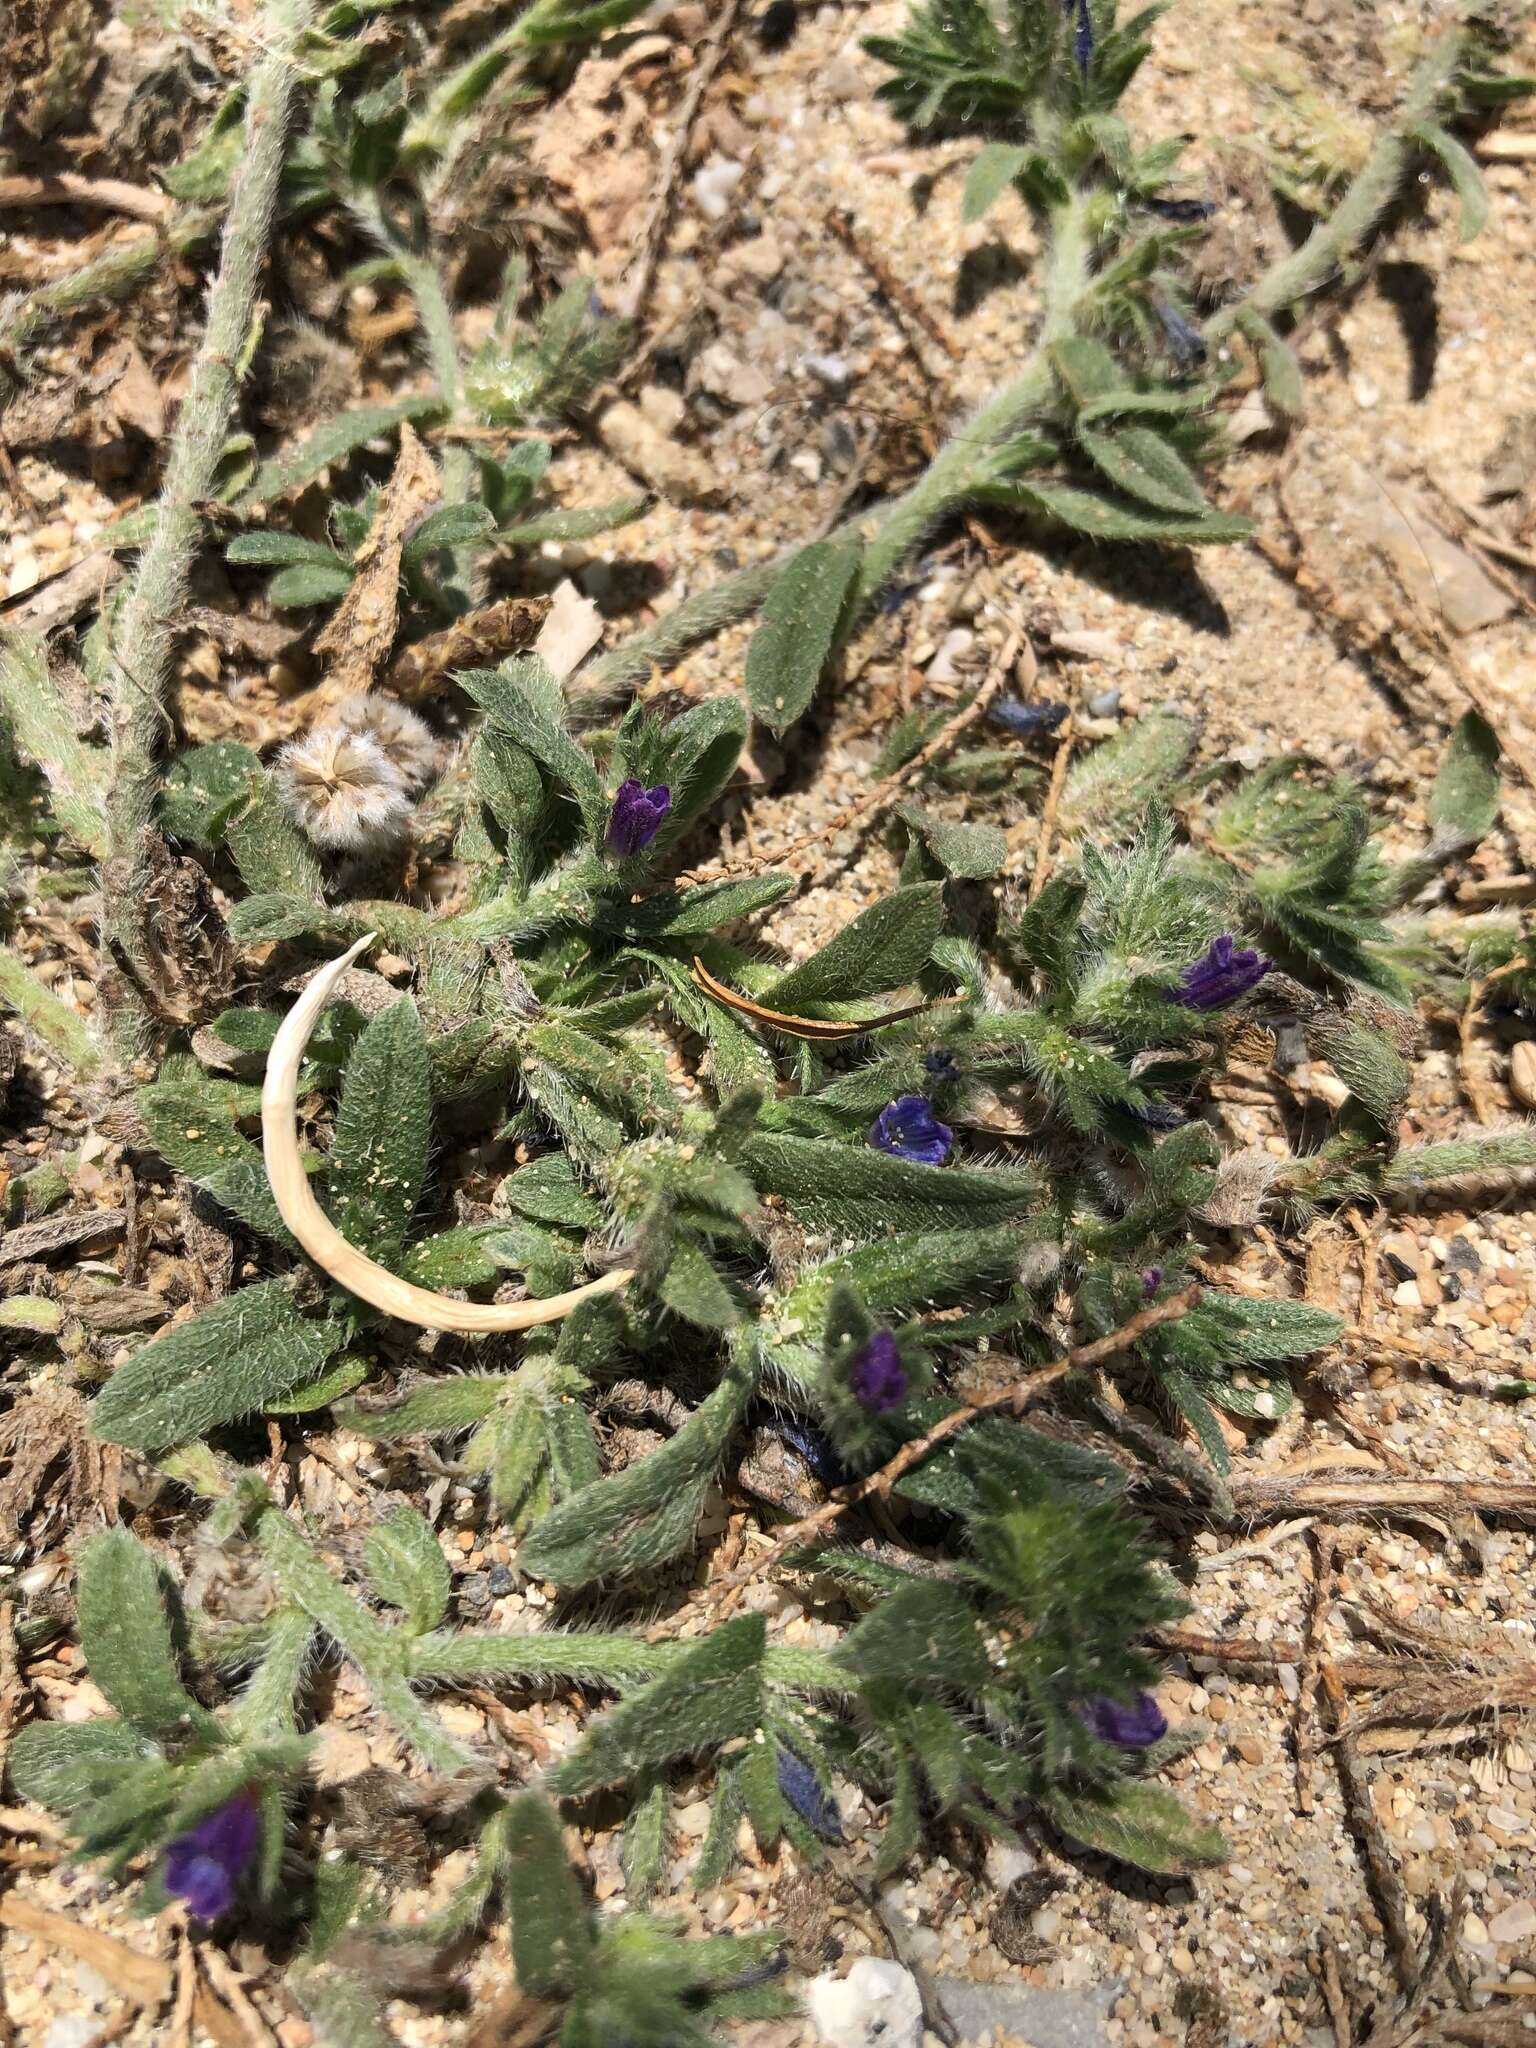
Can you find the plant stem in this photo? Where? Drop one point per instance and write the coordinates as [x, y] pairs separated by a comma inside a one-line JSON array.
[[144, 632], [1369, 195], [44, 731], [42, 1013], [941, 490], [111, 276], [378, 1652]]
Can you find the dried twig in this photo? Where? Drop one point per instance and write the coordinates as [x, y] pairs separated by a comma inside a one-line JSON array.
[[1263, 1499], [894, 288], [1015, 1398], [1323, 1551], [654, 234], [1042, 873], [1386, 1883], [68, 188], [865, 809]]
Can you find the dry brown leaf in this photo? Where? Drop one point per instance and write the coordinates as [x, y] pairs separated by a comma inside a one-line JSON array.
[[135, 397], [363, 629]]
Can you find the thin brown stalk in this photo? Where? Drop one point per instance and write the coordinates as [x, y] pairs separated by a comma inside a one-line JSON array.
[[865, 809], [1015, 1398], [1386, 1882]]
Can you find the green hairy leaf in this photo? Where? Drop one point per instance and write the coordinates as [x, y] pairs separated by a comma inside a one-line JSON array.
[[800, 622], [993, 170], [378, 1162], [227, 1361], [885, 947], [126, 1633], [407, 1568]]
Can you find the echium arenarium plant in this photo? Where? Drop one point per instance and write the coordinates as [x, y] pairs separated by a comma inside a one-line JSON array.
[[836, 1201]]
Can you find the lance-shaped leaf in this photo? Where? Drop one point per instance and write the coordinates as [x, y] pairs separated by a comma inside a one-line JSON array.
[[383, 1133], [1461, 167], [701, 751], [1143, 465], [862, 1193], [408, 1569], [333, 441], [524, 700], [1102, 517], [713, 1694], [68, 1768], [1138, 1823], [968, 853], [551, 1932], [1464, 802], [646, 1513], [799, 630], [996, 166], [226, 1362], [690, 913], [125, 1631], [192, 1127], [883, 948]]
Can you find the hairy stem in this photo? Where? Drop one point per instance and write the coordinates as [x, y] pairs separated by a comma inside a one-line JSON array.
[[143, 638], [946, 484], [44, 731], [112, 276], [44, 1015], [1369, 195]]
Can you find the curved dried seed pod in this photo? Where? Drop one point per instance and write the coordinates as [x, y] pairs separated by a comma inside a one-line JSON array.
[[315, 1231]]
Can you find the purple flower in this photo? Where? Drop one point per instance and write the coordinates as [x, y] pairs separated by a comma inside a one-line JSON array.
[[1151, 1280], [1026, 718], [204, 1866], [802, 1788], [1136, 1726], [877, 1378], [637, 816], [1221, 974], [908, 1129]]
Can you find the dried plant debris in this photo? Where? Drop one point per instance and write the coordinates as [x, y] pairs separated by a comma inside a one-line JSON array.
[[959, 1197]]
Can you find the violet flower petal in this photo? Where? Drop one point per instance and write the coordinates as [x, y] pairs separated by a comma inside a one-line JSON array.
[[205, 1864], [1223, 973], [908, 1129], [637, 816], [877, 1379], [1136, 1725]]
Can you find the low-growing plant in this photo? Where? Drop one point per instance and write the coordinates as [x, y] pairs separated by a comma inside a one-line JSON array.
[[865, 1201]]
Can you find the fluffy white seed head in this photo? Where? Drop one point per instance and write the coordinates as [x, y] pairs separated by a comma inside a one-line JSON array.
[[344, 790], [406, 739]]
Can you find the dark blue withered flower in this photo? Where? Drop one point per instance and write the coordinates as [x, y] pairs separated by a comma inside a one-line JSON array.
[[877, 1379], [810, 1446], [1136, 1726], [1151, 1280], [1181, 209], [908, 1129], [1222, 974], [1082, 33], [940, 1063], [802, 1788], [1185, 342], [1156, 1116], [1026, 719], [205, 1865], [637, 816]]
